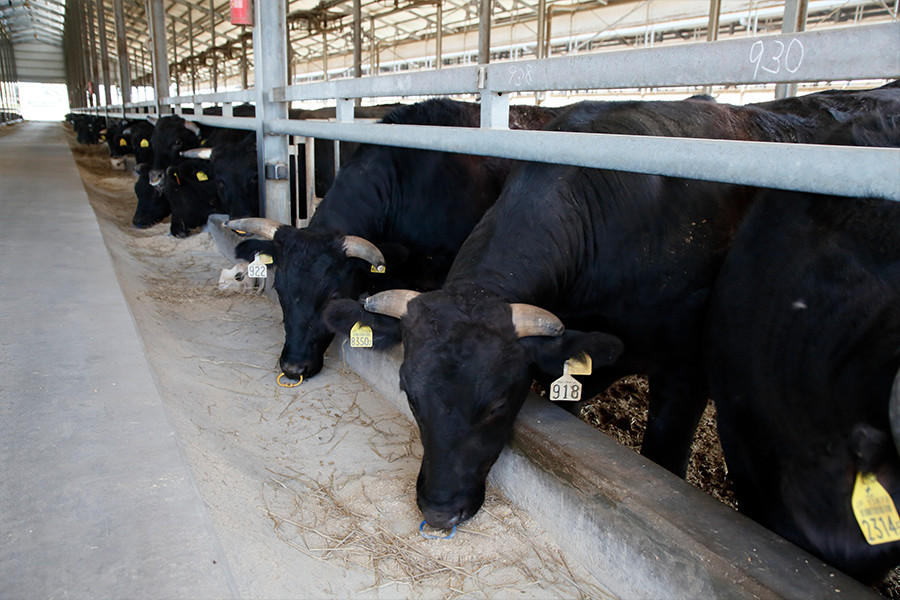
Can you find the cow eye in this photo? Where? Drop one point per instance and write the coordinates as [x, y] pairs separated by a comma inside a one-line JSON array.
[[494, 410]]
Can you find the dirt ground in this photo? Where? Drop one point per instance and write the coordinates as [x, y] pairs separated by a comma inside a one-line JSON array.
[[320, 479], [311, 489]]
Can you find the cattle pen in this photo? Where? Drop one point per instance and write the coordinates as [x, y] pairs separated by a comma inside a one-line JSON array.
[[148, 450]]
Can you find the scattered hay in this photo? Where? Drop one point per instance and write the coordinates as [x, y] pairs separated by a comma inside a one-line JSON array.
[[491, 556]]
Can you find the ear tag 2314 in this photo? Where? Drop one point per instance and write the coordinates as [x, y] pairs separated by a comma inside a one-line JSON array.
[[360, 336], [378, 269], [258, 268], [579, 365], [874, 510], [566, 388]]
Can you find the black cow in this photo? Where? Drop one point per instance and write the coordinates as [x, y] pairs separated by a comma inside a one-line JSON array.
[[87, 127], [417, 206], [171, 136], [192, 196], [632, 255], [803, 343], [140, 133], [118, 142]]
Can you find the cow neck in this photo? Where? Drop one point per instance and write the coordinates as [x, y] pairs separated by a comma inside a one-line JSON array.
[[525, 249]]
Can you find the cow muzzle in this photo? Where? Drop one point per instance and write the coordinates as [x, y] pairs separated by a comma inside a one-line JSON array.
[[447, 516], [295, 369], [156, 177], [445, 510]]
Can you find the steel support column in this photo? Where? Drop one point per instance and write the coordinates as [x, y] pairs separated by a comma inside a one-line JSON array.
[[104, 56], [270, 70], [484, 32], [794, 22], [157, 26], [439, 35], [212, 45], [122, 52]]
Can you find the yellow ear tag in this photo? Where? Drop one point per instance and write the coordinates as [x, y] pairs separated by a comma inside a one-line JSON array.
[[201, 176], [177, 180], [580, 365], [145, 144], [378, 269], [122, 142], [360, 336], [265, 259], [874, 510]]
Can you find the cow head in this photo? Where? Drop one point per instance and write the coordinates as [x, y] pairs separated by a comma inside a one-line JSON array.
[[817, 484], [191, 193], [152, 205], [171, 135], [312, 269], [467, 367], [237, 177]]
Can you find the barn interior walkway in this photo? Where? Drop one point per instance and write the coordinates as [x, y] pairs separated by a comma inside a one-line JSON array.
[[96, 499]]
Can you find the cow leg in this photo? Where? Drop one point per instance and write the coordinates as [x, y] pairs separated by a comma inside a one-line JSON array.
[[677, 401]]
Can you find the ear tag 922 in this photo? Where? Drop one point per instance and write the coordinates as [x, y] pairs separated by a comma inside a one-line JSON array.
[[258, 268], [874, 510], [378, 269], [360, 336], [566, 388]]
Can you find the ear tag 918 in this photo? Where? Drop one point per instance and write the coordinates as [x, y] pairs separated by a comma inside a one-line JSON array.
[[874, 510], [566, 388], [378, 269], [258, 268], [360, 336]]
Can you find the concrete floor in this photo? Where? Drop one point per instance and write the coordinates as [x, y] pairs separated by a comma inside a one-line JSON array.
[[96, 500]]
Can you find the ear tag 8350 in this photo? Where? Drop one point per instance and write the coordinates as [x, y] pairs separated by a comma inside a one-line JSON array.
[[378, 269], [360, 336], [874, 510], [258, 268], [566, 388]]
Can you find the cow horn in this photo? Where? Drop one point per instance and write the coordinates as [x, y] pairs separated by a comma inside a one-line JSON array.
[[204, 153], [257, 225], [357, 247], [894, 411], [390, 302], [531, 320], [192, 127]]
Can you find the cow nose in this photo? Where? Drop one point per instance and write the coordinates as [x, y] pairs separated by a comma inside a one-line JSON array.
[[303, 368], [156, 178], [445, 519]]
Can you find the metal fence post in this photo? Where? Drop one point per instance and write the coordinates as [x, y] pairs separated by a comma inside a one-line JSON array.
[[157, 23], [270, 71]]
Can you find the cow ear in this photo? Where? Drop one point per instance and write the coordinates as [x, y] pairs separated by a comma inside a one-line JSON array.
[[341, 315], [550, 353], [248, 249], [394, 254]]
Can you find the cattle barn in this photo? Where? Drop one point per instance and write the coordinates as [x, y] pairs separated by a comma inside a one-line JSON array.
[[298, 299]]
